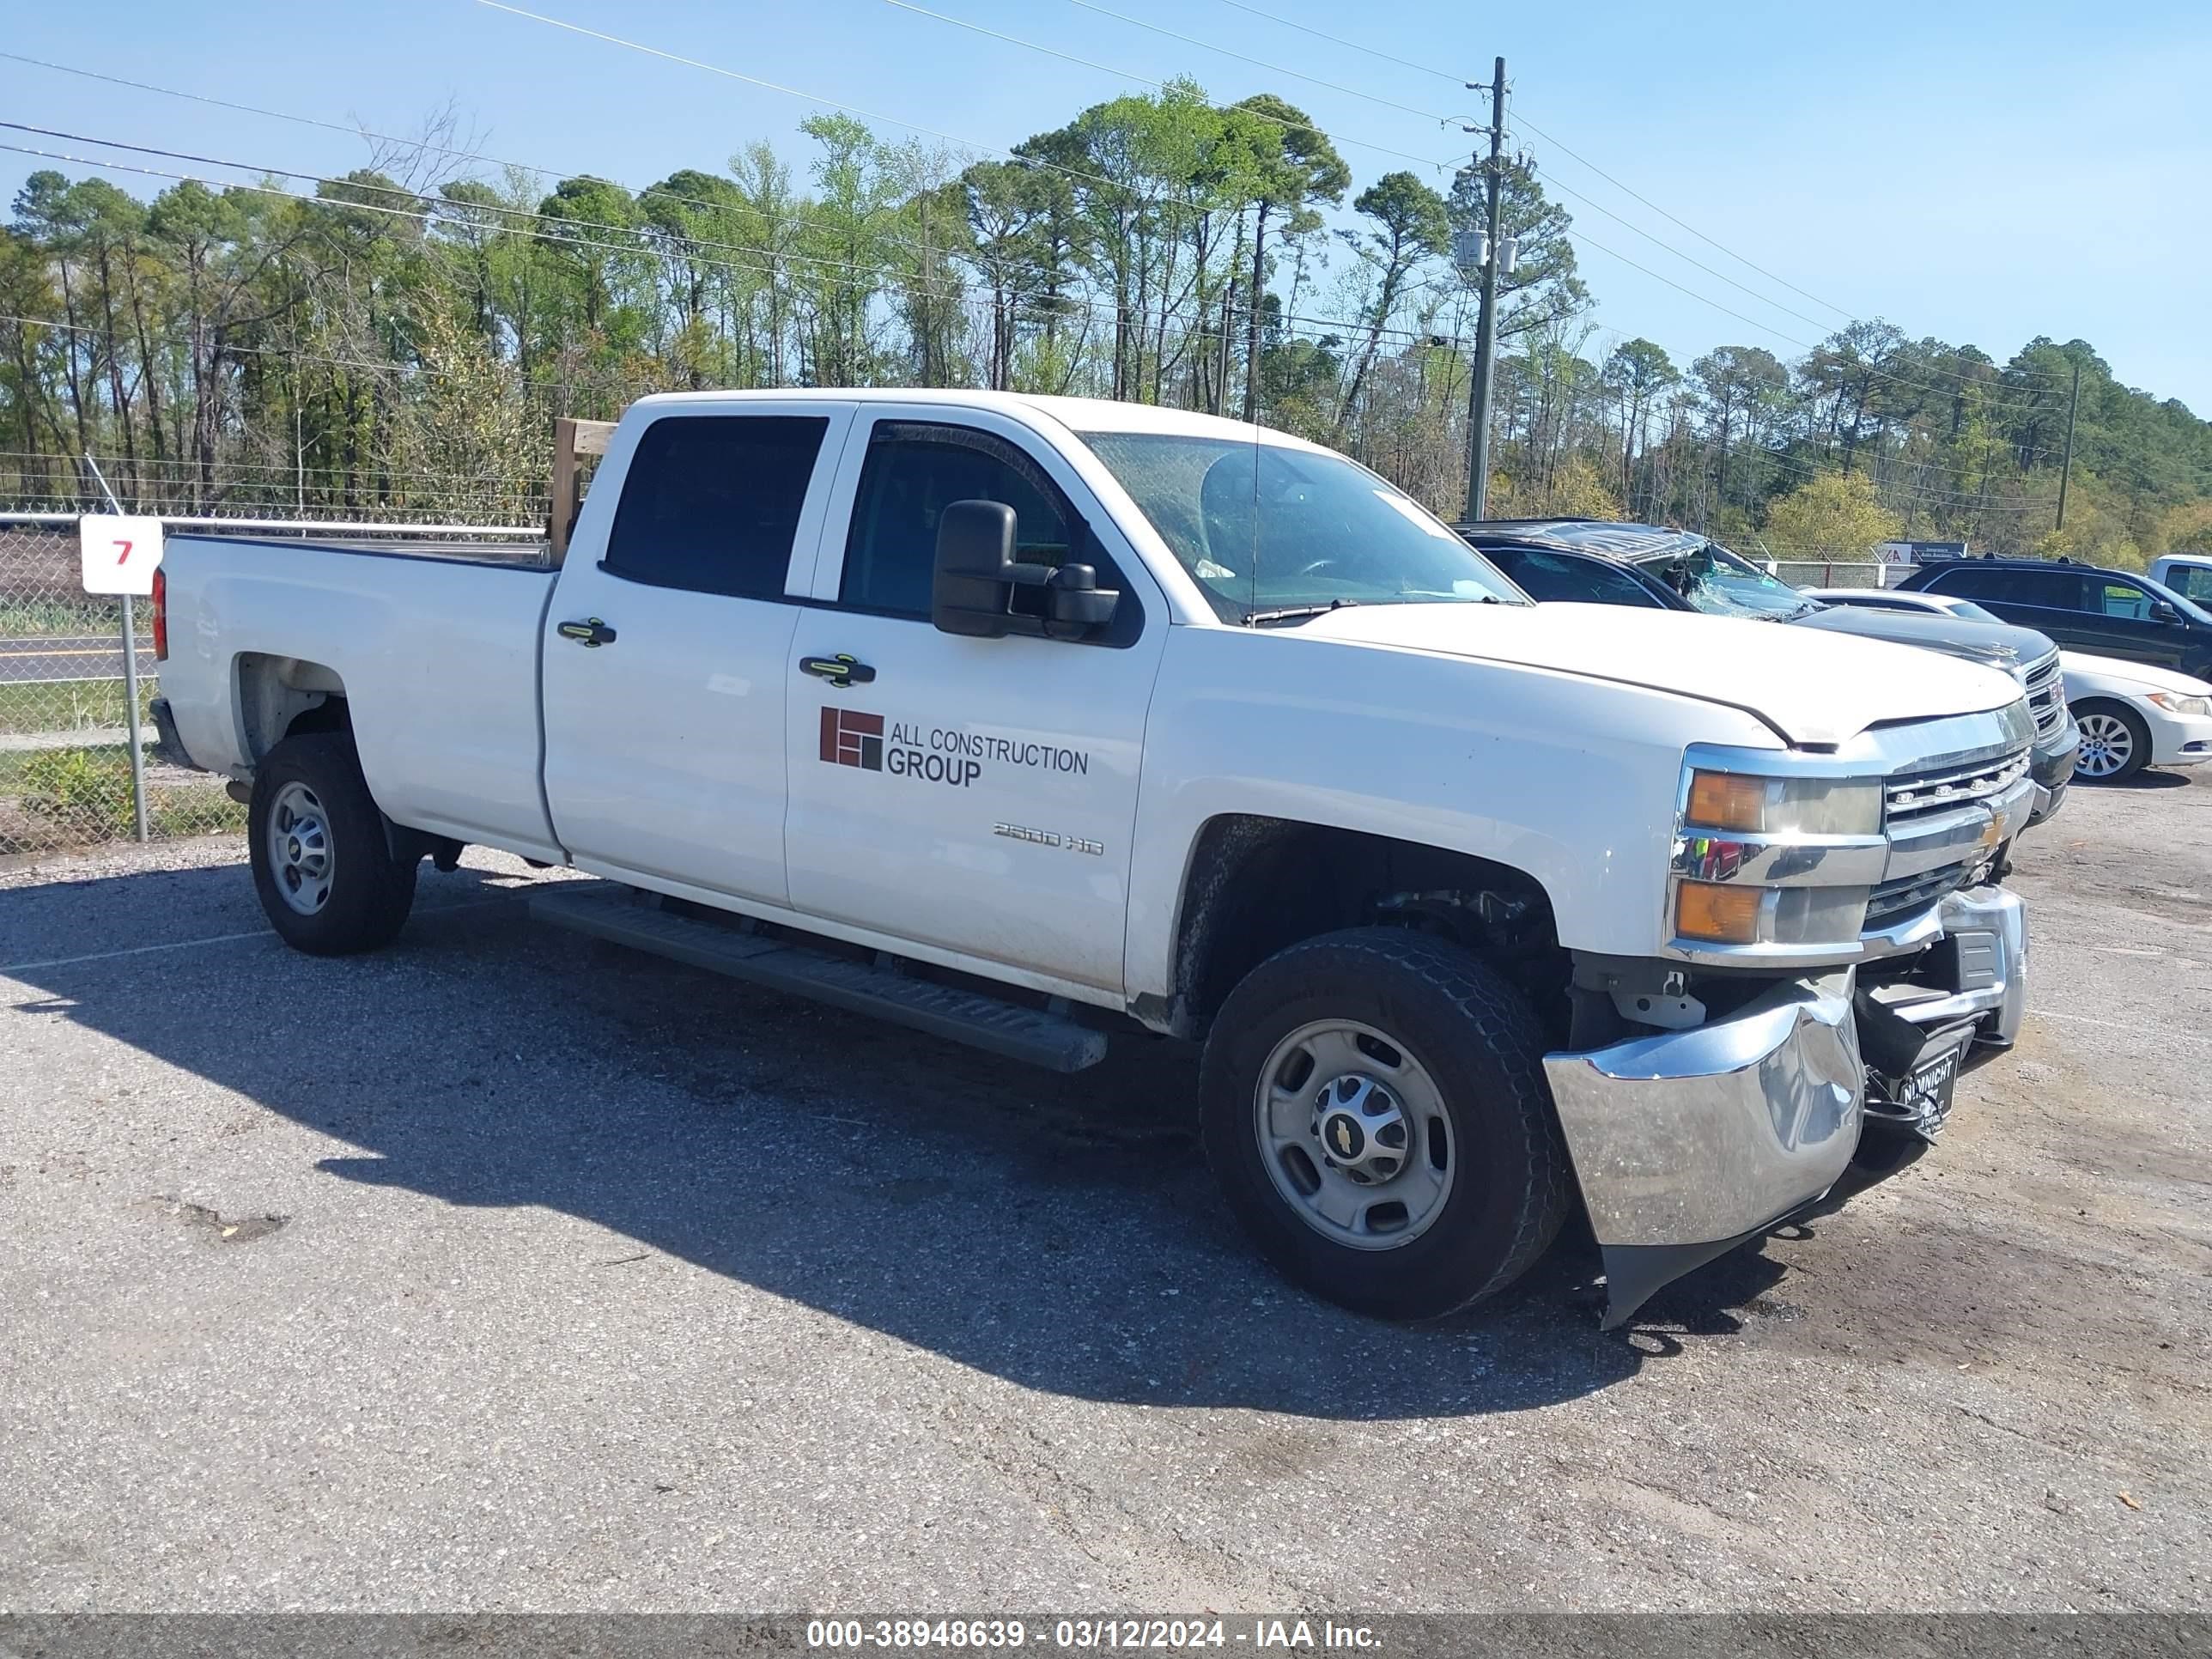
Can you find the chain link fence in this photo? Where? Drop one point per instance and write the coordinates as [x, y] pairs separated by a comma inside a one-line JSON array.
[[1837, 572], [65, 781]]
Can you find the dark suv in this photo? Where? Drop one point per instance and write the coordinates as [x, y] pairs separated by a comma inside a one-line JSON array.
[[1590, 562], [2112, 613]]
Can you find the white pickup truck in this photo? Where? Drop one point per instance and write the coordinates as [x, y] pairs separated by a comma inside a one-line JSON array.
[[1024, 720]]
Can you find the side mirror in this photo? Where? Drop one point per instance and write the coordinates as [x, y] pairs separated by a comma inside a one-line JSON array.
[[972, 586], [2160, 612]]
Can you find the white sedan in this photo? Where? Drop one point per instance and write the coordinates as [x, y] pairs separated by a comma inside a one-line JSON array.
[[2132, 715]]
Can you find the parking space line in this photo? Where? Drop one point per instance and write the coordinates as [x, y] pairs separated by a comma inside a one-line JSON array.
[[221, 938]]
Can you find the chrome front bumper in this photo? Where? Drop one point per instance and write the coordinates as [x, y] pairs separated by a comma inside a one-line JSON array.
[[1688, 1142]]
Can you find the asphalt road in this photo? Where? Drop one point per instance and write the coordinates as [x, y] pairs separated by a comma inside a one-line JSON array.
[[67, 656], [505, 1270]]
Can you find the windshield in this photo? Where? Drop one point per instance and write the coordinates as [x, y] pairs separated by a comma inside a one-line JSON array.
[[1720, 584], [1264, 528], [2188, 607]]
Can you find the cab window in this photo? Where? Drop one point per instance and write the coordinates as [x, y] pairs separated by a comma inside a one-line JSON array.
[[711, 503], [914, 471]]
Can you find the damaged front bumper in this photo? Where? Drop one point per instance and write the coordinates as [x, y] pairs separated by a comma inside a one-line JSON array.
[[1956, 1004], [1688, 1142]]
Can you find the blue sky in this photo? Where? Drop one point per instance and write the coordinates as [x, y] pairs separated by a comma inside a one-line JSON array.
[[1980, 171]]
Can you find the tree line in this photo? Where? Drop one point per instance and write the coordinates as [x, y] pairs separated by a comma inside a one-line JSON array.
[[396, 342]]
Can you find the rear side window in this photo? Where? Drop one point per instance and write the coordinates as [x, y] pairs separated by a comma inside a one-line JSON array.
[[2123, 599], [712, 501], [915, 470], [2055, 590]]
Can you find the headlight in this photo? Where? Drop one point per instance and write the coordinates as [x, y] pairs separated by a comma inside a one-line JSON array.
[[1752, 805], [2174, 704]]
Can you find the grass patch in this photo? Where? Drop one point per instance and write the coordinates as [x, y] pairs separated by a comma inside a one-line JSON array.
[[70, 706], [52, 799], [23, 618]]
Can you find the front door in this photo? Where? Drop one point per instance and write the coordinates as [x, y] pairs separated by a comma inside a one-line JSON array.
[[2129, 620], [666, 695], [976, 794]]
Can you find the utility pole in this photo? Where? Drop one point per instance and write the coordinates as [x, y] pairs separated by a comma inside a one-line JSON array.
[[2066, 467], [1486, 338]]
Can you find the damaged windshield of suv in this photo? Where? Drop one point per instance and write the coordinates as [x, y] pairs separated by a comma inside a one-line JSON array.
[[1273, 533], [1720, 584]]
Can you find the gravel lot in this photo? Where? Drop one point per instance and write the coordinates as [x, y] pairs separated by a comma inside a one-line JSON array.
[[505, 1271]]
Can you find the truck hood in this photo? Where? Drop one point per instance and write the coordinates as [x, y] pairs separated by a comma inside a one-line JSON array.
[[1994, 645], [1815, 689]]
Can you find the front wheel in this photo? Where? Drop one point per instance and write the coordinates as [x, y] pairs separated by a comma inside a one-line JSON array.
[[322, 864], [2115, 743], [1373, 1103]]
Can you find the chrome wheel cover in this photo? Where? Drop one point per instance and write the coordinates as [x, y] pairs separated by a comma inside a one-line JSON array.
[[301, 859], [1353, 1133]]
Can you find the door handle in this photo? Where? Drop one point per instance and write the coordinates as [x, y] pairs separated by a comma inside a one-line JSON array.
[[592, 632], [841, 670]]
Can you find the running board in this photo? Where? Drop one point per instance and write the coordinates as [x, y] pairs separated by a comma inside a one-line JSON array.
[[610, 911]]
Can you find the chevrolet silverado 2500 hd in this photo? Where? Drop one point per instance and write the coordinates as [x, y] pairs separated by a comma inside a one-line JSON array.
[[1018, 719]]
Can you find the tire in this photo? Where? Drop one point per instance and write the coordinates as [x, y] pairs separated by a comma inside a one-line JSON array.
[[1467, 1049], [355, 895], [2113, 737]]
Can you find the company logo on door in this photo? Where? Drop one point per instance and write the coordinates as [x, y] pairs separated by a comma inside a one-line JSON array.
[[851, 738], [939, 755]]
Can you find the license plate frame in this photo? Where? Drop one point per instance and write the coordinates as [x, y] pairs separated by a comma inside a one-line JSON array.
[[1932, 1084]]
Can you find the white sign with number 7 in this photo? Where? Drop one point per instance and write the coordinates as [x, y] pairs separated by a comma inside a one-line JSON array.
[[120, 552]]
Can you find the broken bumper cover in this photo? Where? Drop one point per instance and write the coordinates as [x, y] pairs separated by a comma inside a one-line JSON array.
[[1688, 1142]]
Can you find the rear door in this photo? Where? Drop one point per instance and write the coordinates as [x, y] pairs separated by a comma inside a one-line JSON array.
[[667, 640], [975, 794]]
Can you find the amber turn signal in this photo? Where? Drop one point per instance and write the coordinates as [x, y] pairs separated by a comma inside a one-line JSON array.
[[1727, 800], [1718, 912]]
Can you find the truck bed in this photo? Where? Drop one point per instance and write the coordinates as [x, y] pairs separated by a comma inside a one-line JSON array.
[[434, 645]]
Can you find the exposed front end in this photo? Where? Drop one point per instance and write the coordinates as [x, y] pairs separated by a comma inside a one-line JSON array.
[[1838, 952]]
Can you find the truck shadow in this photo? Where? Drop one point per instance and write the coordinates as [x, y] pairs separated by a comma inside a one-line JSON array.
[[1059, 1232]]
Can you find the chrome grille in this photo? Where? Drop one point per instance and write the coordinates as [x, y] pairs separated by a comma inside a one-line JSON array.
[[1893, 901], [2046, 698], [1954, 784]]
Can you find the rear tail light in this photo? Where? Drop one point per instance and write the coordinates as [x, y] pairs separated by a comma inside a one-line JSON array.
[[160, 615]]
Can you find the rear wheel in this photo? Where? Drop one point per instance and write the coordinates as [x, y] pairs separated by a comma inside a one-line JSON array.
[[322, 864], [2114, 742], [1374, 1105]]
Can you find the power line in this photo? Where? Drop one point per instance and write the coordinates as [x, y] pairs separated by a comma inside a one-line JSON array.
[[651, 191], [423, 145], [1575, 155], [1872, 372], [1108, 68], [794, 92], [1339, 41], [1259, 62]]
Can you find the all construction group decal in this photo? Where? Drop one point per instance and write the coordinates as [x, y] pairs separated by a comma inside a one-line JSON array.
[[935, 754]]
